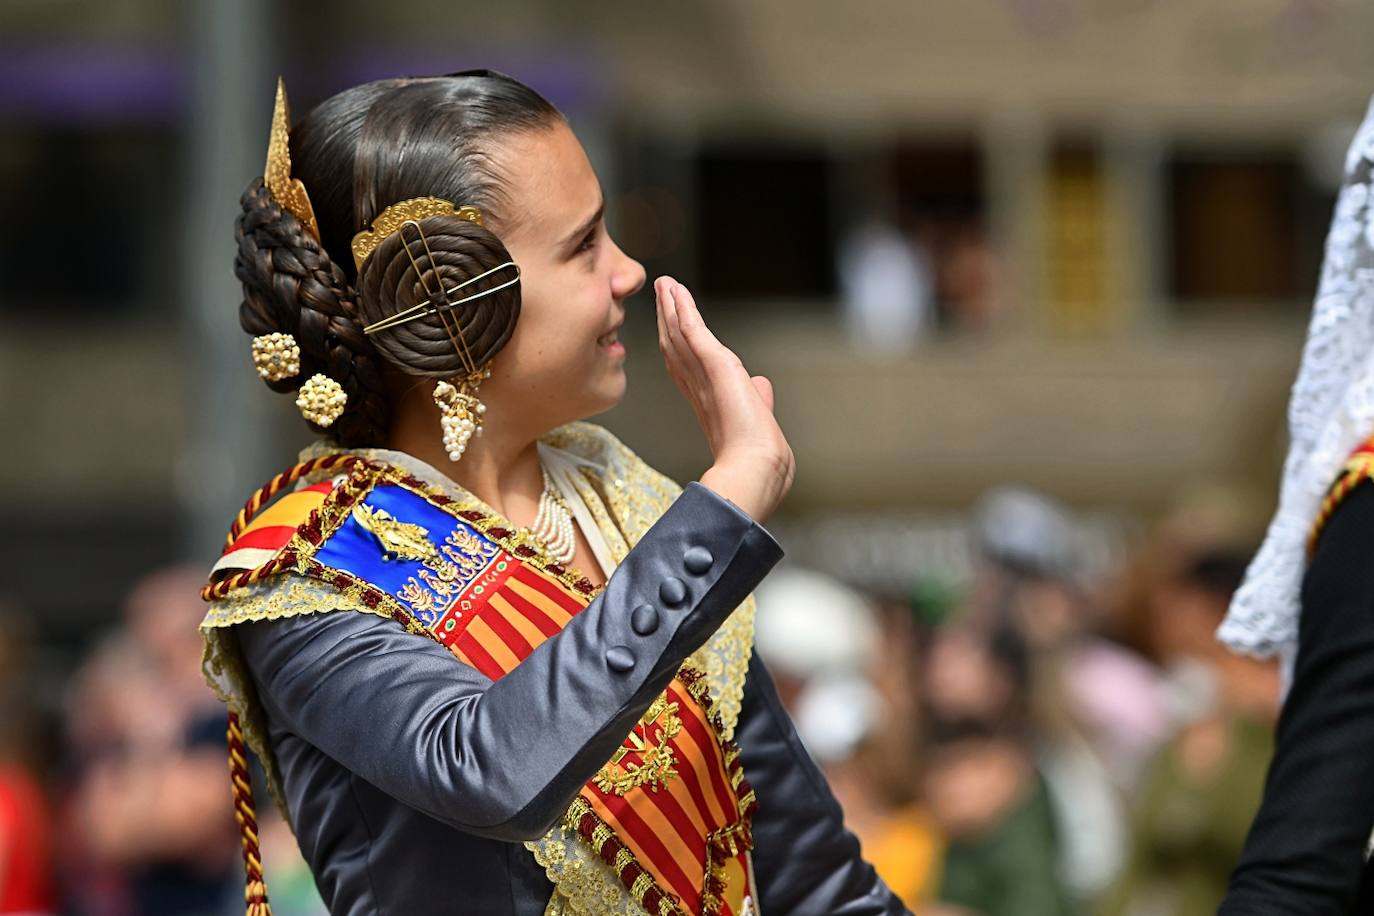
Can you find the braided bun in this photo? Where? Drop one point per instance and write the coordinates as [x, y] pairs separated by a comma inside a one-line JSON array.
[[454, 251], [291, 285]]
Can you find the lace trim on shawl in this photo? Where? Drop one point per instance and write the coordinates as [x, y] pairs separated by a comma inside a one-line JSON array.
[[1330, 412]]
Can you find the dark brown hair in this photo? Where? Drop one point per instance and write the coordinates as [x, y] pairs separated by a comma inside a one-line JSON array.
[[357, 153]]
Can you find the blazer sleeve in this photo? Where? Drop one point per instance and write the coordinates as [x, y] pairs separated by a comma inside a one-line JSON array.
[[805, 861], [1305, 850], [504, 759]]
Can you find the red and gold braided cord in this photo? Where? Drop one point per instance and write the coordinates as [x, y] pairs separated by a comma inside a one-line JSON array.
[[1357, 471], [323, 464], [276, 484], [255, 887]]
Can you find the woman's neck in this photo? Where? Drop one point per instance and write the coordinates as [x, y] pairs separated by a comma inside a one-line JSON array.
[[500, 467]]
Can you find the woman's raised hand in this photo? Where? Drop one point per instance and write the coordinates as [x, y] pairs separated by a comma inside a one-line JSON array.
[[753, 465]]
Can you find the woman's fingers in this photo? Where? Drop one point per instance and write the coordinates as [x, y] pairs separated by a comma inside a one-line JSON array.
[[677, 308], [696, 333], [668, 309], [765, 389], [660, 292], [670, 338]]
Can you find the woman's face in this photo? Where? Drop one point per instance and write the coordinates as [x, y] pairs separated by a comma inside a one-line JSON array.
[[564, 361]]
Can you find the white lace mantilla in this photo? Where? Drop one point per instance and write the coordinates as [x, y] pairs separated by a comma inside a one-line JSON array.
[[1330, 413]]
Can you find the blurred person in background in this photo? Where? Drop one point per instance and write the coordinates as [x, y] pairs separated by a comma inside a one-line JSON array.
[[845, 671], [26, 825], [1002, 850], [1194, 807], [1085, 695], [887, 289], [1308, 597], [146, 828], [968, 276], [438, 643], [1201, 522]]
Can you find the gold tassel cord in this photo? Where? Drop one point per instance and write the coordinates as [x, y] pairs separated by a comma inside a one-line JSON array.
[[255, 886]]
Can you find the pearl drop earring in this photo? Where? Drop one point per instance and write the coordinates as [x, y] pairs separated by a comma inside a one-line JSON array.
[[462, 412]]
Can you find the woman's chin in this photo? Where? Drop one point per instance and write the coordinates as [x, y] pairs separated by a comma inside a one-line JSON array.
[[607, 397]]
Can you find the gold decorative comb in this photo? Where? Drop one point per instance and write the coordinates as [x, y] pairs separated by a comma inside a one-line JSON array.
[[398, 214]]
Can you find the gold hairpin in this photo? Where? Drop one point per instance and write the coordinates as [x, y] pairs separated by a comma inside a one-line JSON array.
[[425, 309], [276, 174], [398, 214]]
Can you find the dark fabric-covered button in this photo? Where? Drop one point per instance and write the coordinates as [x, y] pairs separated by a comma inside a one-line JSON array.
[[697, 560], [620, 659], [644, 619], [672, 591]]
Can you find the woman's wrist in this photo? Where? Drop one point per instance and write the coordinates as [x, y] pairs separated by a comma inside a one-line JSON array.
[[735, 484]]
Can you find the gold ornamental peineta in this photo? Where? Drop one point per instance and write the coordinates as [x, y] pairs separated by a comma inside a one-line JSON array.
[[398, 214], [276, 174]]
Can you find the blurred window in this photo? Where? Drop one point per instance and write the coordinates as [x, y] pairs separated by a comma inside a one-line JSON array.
[[765, 225], [90, 218], [941, 194], [940, 179], [1078, 264], [1245, 229]]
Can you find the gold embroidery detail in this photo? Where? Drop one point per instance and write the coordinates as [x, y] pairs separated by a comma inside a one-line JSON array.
[[421, 600], [446, 577], [649, 739], [400, 540]]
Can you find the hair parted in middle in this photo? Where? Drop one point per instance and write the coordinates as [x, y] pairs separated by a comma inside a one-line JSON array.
[[357, 153]]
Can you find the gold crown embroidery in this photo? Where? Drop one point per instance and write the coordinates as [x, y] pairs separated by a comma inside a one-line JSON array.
[[400, 540]]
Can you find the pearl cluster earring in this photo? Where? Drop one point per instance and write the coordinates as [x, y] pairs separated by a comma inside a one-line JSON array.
[[462, 412]]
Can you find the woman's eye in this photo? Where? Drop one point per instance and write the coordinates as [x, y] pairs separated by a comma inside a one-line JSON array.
[[589, 242]]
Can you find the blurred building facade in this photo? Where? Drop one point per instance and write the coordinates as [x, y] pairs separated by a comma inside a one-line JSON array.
[[1122, 202]]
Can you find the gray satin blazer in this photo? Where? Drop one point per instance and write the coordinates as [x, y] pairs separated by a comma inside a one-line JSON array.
[[412, 780]]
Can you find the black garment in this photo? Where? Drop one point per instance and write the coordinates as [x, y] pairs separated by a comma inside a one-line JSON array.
[[412, 779], [1305, 851], [805, 861]]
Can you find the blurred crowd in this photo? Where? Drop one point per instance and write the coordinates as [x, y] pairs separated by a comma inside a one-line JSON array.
[[1029, 743], [114, 795], [1035, 743]]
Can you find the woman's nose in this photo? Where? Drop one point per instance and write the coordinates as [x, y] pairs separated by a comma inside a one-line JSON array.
[[628, 278]]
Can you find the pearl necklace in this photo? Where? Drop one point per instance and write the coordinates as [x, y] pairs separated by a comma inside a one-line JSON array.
[[553, 525]]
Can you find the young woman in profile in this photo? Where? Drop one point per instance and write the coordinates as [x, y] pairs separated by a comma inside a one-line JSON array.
[[492, 662]]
